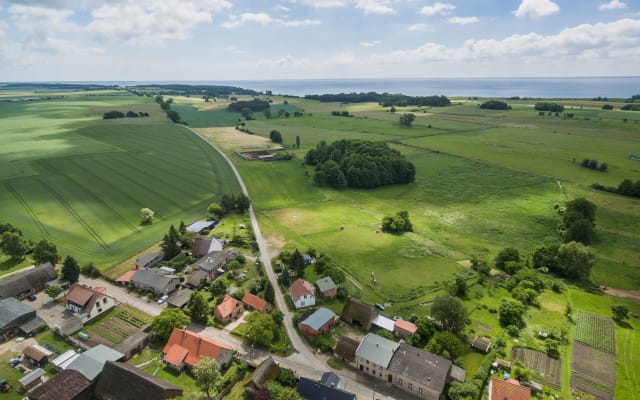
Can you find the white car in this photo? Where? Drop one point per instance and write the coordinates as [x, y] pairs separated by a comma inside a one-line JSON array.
[[163, 299]]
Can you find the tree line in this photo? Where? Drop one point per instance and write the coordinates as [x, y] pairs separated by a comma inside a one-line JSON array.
[[384, 99], [195, 90], [593, 164], [495, 105], [255, 105], [625, 188], [119, 114], [358, 164], [166, 107], [548, 106]]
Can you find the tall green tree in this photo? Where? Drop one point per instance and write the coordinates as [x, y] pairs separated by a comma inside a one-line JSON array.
[[198, 306], [450, 313], [297, 263], [70, 270], [445, 344], [259, 329], [169, 318], [275, 136], [169, 245], [620, 313], [575, 260], [208, 376], [511, 313], [298, 142], [14, 245], [269, 293], [53, 291], [45, 251], [407, 120], [506, 255]]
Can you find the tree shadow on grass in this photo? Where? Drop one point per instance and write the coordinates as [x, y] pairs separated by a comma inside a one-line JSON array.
[[10, 263], [624, 324]]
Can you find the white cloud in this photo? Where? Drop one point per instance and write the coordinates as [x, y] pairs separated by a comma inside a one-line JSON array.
[[463, 20], [612, 5], [265, 19], [287, 61], [536, 8], [437, 8], [615, 40], [342, 59], [3, 26], [153, 22], [39, 20], [419, 27], [375, 6], [371, 43], [323, 3], [281, 8]]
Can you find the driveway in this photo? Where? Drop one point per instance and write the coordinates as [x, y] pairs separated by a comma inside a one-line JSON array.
[[142, 303]]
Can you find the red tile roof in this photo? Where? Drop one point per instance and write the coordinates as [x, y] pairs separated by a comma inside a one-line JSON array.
[[126, 277], [227, 306], [505, 390], [406, 326], [255, 302], [188, 347], [79, 294], [300, 288]]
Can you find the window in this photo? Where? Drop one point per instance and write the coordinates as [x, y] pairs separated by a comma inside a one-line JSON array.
[[410, 387], [367, 369], [400, 381], [104, 300]]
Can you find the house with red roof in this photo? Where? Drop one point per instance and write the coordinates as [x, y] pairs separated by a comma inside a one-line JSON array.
[[125, 279], [509, 389], [253, 302], [403, 328], [229, 309], [88, 303], [185, 348], [302, 293]]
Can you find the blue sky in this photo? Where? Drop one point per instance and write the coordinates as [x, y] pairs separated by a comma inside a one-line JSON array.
[[80, 40]]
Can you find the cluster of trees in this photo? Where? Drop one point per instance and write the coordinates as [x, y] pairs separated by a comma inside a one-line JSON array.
[[548, 106], [625, 188], [406, 120], [175, 240], [607, 107], [13, 244], [119, 114], [631, 107], [229, 203], [398, 223], [255, 105], [166, 107], [384, 99], [341, 114], [578, 221], [495, 105], [275, 136], [358, 164], [146, 215], [593, 164]]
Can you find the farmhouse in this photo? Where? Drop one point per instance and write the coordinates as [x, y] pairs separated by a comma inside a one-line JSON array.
[[16, 318], [313, 390], [327, 287], [419, 372], [508, 390], [67, 385], [203, 245], [149, 260], [29, 281], [91, 362], [122, 381], [358, 313], [317, 323], [253, 302], [302, 293], [212, 263], [403, 328], [155, 280], [88, 303], [185, 348], [374, 354], [228, 309]]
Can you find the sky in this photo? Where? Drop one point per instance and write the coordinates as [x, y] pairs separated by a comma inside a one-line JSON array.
[[196, 40]]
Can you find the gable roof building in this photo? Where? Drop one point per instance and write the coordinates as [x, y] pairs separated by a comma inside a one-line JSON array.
[[67, 385], [180, 298], [302, 293], [125, 278], [211, 262], [149, 260], [203, 245], [482, 344], [230, 308], [506, 390], [32, 379], [358, 313], [419, 372], [122, 381], [155, 280], [346, 349], [199, 226], [91, 362], [403, 328], [318, 322], [185, 348], [87, 302], [256, 303], [313, 390], [27, 281], [374, 353], [16, 317], [267, 370], [327, 287]]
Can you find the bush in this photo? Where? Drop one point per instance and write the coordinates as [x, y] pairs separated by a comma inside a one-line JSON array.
[[513, 331]]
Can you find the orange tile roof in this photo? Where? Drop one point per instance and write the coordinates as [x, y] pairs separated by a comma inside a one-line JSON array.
[[126, 277], [196, 346], [227, 306], [406, 326], [254, 301], [79, 294], [504, 390], [299, 288]]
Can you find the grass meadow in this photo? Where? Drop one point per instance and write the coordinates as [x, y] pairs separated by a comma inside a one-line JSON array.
[[79, 181]]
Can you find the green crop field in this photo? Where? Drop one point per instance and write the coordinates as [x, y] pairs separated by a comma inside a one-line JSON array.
[[79, 181]]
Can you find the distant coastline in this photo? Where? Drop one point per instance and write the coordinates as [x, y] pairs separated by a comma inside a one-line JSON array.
[[561, 87]]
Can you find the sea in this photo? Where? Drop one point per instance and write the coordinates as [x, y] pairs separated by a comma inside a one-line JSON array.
[[564, 87]]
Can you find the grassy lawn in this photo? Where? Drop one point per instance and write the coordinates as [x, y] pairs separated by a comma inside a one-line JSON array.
[[80, 181]]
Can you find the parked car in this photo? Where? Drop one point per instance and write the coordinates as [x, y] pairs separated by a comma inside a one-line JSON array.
[[163, 299]]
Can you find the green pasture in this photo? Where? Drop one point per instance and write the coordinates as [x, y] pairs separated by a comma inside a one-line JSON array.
[[80, 181]]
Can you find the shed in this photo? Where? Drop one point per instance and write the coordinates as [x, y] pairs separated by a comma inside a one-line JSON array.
[[13, 315], [346, 349], [358, 313], [327, 287], [64, 359], [37, 355], [319, 322], [28, 281], [179, 298], [199, 226], [33, 326], [267, 370], [31, 380], [384, 322], [67, 385], [482, 344], [132, 344]]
